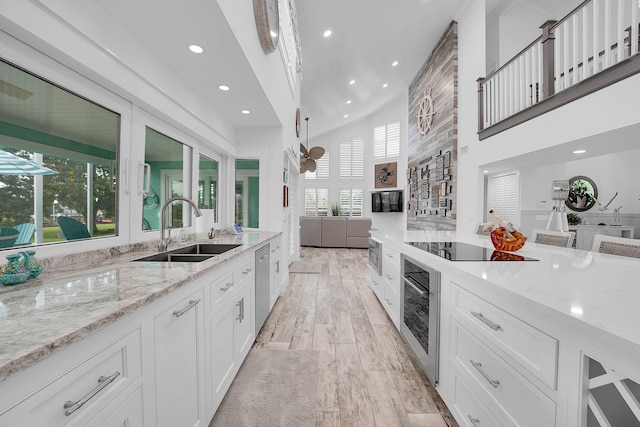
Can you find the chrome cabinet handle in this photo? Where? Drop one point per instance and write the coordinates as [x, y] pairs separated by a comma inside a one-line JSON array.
[[240, 305], [389, 255], [247, 271], [474, 421], [478, 366], [263, 257], [493, 325], [388, 301], [71, 407], [388, 277], [191, 304], [226, 287]]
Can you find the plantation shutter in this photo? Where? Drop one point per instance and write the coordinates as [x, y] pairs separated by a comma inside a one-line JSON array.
[[504, 196]]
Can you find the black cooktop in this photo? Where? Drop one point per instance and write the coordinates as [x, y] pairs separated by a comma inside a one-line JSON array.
[[458, 251]]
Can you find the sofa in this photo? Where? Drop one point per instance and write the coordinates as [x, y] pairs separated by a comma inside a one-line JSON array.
[[334, 232]]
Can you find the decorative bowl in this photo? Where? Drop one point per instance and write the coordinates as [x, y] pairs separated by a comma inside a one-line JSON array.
[[36, 272], [14, 279], [504, 240]]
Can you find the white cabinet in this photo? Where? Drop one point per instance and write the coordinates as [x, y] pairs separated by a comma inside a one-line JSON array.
[[127, 413], [276, 270], [503, 371], [387, 286], [231, 325], [64, 392], [178, 363]]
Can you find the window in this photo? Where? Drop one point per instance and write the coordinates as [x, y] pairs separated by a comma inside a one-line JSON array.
[[316, 201], [322, 169], [77, 139], [247, 196], [351, 202], [352, 160], [386, 141], [208, 185], [503, 195]]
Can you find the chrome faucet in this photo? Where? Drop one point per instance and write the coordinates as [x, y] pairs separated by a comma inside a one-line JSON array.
[[162, 246]]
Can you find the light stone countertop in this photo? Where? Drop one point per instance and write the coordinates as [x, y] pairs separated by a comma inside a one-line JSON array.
[[590, 291], [80, 293]]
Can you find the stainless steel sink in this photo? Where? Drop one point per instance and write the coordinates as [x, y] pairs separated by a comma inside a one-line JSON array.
[[194, 253], [206, 248]]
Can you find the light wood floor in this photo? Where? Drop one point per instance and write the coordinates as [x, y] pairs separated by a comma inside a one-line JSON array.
[[366, 376]]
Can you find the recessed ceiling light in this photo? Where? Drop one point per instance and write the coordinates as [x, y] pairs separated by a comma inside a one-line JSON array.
[[327, 33], [352, 82], [349, 102], [245, 112], [346, 115], [273, 34], [485, 171], [223, 88], [579, 151], [196, 49], [394, 63], [385, 85]]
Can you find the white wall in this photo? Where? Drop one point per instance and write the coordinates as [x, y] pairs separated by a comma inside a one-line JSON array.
[[616, 172], [471, 65], [395, 111]]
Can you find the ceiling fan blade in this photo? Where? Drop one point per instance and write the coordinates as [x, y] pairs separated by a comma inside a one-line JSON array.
[[316, 152], [303, 167], [310, 164], [303, 149]]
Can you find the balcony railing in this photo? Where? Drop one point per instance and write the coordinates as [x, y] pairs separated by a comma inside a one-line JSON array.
[[596, 37]]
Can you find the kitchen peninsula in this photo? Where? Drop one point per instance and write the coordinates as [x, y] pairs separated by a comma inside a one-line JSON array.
[[82, 341], [517, 339]]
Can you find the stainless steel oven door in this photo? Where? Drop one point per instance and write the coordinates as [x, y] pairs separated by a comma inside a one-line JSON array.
[[421, 314]]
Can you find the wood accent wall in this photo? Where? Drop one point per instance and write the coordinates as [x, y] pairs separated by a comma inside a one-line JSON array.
[[433, 157]]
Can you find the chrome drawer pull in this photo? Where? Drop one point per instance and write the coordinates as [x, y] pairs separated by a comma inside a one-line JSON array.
[[72, 407], [388, 277], [389, 255], [478, 366], [226, 287], [493, 325], [474, 421], [192, 304], [247, 271]]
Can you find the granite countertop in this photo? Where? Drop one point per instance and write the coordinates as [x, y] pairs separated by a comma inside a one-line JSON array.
[[81, 293], [599, 292]]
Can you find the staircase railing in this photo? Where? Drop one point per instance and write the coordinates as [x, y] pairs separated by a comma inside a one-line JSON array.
[[594, 37]]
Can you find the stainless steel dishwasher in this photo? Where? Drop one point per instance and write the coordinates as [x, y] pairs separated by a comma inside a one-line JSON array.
[[263, 285]]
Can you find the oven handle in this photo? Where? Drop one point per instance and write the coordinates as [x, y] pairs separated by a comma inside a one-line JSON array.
[[413, 286]]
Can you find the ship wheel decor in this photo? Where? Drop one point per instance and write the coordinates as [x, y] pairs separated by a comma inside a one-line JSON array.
[[426, 112]]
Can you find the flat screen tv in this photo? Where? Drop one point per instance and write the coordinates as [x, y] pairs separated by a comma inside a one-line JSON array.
[[386, 201]]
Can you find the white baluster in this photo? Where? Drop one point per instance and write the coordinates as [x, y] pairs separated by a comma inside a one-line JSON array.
[[585, 40], [635, 8], [607, 34]]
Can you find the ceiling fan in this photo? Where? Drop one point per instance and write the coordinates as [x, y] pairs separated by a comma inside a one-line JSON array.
[[308, 157]]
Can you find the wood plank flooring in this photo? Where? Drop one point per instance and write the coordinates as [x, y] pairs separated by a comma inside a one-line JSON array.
[[366, 376]]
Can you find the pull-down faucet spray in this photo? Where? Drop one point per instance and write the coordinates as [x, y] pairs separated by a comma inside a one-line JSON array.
[[162, 246]]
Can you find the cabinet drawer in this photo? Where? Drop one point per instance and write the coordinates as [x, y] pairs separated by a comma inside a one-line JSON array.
[[391, 302], [391, 275], [520, 401], [84, 390], [377, 284], [221, 288], [246, 270], [466, 407], [392, 256], [529, 347]]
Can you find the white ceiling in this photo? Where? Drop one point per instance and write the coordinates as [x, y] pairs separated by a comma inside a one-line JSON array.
[[367, 36]]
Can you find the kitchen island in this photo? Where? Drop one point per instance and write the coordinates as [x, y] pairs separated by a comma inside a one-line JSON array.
[[100, 322], [518, 339]]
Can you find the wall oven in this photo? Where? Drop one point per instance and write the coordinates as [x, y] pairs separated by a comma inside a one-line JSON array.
[[375, 256], [420, 313]]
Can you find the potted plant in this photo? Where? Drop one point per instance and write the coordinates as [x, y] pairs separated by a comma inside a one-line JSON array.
[[335, 209], [573, 219]]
